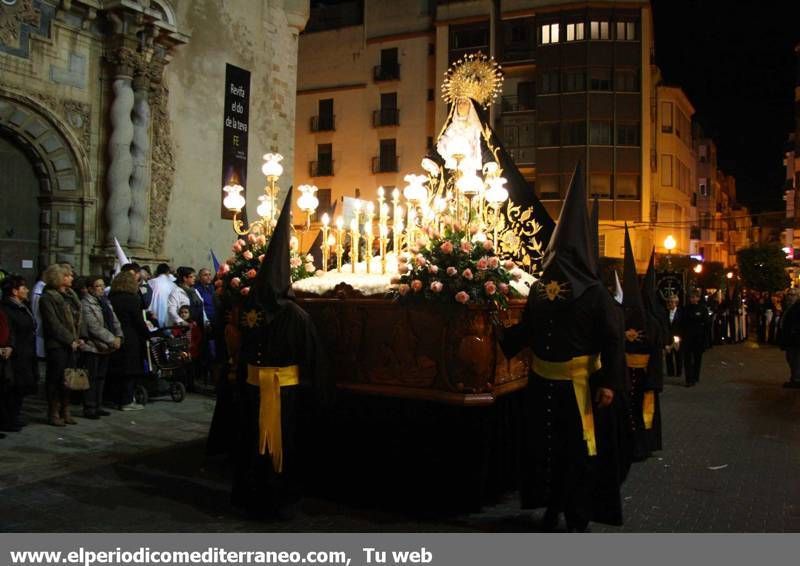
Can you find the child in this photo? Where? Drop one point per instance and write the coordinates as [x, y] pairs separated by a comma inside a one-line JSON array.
[[195, 339]]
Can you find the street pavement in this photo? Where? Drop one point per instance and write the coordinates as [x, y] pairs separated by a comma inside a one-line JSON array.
[[731, 463]]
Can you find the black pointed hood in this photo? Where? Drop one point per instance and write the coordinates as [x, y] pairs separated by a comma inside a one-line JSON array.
[[632, 296], [570, 255], [595, 222], [649, 292], [619, 295], [273, 286]]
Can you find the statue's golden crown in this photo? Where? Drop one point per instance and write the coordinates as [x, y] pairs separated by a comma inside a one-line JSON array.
[[475, 76]]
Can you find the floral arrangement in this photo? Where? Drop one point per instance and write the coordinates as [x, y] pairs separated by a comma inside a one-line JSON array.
[[455, 267], [236, 275]]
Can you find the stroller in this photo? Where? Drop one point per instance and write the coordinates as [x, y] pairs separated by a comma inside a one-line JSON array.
[[168, 357]]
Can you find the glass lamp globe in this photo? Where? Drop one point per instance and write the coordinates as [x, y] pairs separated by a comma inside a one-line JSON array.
[[307, 202], [234, 200], [272, 166], [469, 184], [264, 209], [496, 193]]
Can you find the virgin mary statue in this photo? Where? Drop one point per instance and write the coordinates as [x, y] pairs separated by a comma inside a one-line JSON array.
[[469, 143]]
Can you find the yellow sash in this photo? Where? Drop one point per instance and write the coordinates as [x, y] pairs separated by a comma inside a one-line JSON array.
[[637, 361], [648, 409], [269, 380], [577, 370]]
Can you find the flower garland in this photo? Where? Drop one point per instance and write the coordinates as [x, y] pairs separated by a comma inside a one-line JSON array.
[[237, 274], [453, 268]]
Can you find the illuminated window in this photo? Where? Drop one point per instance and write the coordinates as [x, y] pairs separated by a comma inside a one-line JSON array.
[[666, 170], [666, 117], [549, 34], [626, 31], [599, 30], [600, 185], [575, 32], [627, 187]]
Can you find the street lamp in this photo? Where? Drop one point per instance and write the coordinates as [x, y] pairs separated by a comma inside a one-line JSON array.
[[698, 268], [669, 243], [729, 275]]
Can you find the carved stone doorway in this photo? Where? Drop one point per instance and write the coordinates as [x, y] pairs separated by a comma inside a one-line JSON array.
[[19, 212]]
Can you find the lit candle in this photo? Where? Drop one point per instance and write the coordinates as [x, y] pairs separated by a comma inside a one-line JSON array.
[[397, 220], [325, 249], [384, 233], [411, 228], [355, 239], [339, 243], [368, 238]]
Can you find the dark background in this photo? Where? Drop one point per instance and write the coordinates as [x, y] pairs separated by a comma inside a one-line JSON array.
[[736, 62]]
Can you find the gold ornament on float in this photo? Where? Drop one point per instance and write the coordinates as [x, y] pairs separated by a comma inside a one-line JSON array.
[[475, 76]]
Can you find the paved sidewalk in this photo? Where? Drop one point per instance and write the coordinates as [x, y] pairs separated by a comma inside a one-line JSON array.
[[730, 463]]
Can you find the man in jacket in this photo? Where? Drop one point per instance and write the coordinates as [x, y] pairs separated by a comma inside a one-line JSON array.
[[693, 328], [672, 353]]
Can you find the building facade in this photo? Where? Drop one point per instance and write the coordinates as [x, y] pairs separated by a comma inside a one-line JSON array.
[[791, 161], [111, 118]]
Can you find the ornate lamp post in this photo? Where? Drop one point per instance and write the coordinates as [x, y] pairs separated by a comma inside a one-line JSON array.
[[235, 201]]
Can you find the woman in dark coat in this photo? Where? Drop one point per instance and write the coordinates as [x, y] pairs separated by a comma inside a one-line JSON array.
[[23, 358], [60, 309], [127, 363]]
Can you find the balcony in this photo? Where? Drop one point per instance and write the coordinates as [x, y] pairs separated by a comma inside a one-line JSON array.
[[386, 73], [385, 164], [323, 123], [321, 168], [386, 117], [518, 103]]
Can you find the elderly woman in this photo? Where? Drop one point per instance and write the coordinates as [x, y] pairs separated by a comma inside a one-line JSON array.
[[127, 363], [23, 358], [103, 335], [60, 309]]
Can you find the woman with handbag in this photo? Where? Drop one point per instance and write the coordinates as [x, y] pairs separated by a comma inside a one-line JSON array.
[[23, 358], [127, 363], [61, 320], [103, 335]]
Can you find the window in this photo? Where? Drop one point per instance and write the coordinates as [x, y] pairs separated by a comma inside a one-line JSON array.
[[549, 82], [626, 80], [628, 134], [519, 32], [626, 31], [574, 80], [324, 121], [574, 133], [666, 170], [702, 186], [548, 186], [600, 185], [549, 34], [324, 197], [526, 95], [599, 30], [600, 78], [575, 32], [627, 187], [705, 221], [666, 117], [429, 143], [324, 160], [389, 69], [600, 132], [387, 159], [703, 150], [549, 134]]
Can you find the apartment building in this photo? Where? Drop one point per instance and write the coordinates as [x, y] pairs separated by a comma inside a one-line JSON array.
[[579, 84], [791, 161]]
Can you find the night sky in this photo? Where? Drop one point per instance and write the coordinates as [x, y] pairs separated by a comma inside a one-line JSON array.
[[736, 62]]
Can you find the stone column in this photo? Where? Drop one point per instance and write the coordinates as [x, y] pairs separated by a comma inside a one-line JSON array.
[[140, 152], [120, 166]]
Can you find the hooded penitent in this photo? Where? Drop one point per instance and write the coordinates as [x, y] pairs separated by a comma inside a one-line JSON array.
[[632, 303], [569, 265], [273, 285]]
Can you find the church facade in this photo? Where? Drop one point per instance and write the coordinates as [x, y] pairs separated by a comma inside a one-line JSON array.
[[111, 124]]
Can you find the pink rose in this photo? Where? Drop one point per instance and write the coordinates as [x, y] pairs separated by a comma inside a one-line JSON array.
[[403, 289], [236, 248], [402, 269], [452, 271], [261, 240], [241, 243], [467, 274], [421, 261], [230, 261], [416, 285], [245, 291], [295, 262], [504, 288], [462, 297], [251, 274], [490, 288], [466, 246], [310, 267], [437, 286], [248, 255], [473, 229], [224, 268], [261, 258], [488, 245], [235, 282], [509, 265], [446, 247], [494, 262], [251, 238], [482, 264], [403, 259], [433, 268]]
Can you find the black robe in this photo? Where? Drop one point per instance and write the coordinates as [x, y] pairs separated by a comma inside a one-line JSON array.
[[557, 471], [284, 338], [23, 359]]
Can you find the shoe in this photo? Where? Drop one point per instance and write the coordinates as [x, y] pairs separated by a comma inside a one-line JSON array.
[[102, 413], [132, 407], [91, 416], [56, 421]]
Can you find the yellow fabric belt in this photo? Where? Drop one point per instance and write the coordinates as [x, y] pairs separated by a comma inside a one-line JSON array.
[[648, 408], [269, 380], [577, 370], [637, 361]]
